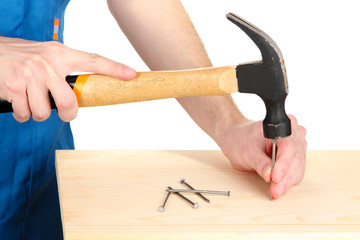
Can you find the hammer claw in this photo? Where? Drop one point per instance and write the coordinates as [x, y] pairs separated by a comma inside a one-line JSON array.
[[264, 42]]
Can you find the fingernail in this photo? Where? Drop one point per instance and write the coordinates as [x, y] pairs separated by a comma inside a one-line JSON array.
[[129, 72]]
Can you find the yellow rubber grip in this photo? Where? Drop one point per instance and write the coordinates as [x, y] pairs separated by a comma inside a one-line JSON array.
[[79, 85]]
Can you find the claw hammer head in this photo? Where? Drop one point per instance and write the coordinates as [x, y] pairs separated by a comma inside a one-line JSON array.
[[266, 78]]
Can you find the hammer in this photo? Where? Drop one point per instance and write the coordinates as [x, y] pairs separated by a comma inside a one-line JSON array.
[[266, 78]]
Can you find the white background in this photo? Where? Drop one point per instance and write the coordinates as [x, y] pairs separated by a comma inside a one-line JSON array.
[[319, 41]]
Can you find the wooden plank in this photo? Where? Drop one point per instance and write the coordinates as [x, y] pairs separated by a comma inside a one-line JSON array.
[[116, 194]]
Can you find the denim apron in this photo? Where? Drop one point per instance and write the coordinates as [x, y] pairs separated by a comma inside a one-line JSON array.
[[29, 204]]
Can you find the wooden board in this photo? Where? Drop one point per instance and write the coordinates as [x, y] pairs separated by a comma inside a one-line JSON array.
[[116, 195]]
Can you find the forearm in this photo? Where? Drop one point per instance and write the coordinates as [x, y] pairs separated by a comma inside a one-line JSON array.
[[163, 35], [213, 114], [161, 32]]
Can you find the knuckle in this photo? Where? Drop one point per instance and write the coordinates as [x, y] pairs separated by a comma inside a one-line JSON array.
[[65, 104], [300, 177], [28, 73], [93, 59], [22, 116], [40, 116], [286, 183], [53, 48], [303, 131], [67, 116], [14, 87], [53, 45], [36, 62], [300, 169], [94, 56], [293, 119]]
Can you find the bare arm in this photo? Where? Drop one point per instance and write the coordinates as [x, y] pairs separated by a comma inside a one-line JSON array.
[[163, 35]]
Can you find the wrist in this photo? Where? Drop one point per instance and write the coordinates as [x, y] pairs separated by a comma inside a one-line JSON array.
[[227, 124]]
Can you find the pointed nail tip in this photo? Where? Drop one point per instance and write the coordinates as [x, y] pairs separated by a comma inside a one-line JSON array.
[[206, 200]]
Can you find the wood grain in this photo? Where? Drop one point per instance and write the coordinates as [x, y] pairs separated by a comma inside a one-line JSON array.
[[116, 194], [101, 90]]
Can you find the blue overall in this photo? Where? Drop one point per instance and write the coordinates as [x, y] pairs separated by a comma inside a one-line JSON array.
[[29, 204]]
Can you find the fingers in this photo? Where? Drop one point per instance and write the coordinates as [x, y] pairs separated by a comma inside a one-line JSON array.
[[288, 171], [21, 108], [37, 104], [88, 62], [31, 69], [283, 162], [17, 96], [65, 99], [38, 99], [283, 176], [34, 101], [72, 60]]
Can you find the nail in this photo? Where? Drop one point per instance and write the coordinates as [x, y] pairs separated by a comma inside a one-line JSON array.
[[195, 205], [162, 208], [182, 180], [273, 158], [199, 191]]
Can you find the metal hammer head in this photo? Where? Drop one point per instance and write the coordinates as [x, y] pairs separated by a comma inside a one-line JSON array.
[[266, 78]]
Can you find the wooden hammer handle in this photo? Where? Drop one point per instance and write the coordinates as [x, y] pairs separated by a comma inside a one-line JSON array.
[[100, 90]]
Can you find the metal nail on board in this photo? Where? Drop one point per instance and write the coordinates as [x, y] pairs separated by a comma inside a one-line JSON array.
[[195, 205], [191, 190], [182, 180]]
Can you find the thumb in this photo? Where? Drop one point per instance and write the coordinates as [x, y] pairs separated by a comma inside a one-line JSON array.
[[89, 62]]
